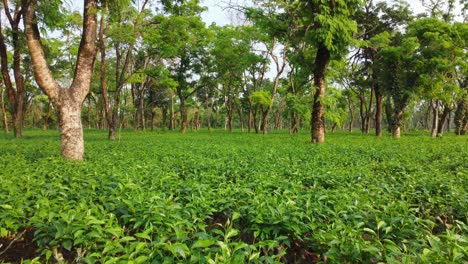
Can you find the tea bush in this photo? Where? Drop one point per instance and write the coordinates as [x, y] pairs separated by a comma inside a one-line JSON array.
[[235, 198]]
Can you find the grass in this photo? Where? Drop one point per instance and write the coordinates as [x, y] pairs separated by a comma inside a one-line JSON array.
[[234, 197]]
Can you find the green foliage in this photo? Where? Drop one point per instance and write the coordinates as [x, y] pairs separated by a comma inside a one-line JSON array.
[[261, 98], [242, 198]]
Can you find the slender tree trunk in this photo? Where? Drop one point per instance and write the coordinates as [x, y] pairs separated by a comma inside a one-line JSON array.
[[362, 113], [449, 121], [102, 77], [45, 125], [378, 111], [183, 115], [4, 113], [208, 116], [396, 127], [318, 127], [265, 121], [173, 119], [426, 116], [435, 120], [164, 115], [368, 112], [241, 118], [16, 98], [142, 110], [153, 114], [351, 114], [250, 121]]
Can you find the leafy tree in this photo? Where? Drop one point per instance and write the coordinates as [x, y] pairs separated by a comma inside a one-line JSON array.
[[16, 92], [376, 21], [441, 51], [329, 26], [67, 102], [399, 77]]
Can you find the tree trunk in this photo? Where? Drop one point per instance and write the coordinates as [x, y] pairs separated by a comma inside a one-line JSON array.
[[362, 113], [67, 102], [183, 115], [102, 77], [241, 118], [368, 113], [17, 105], [71, 129], [153, 114], [396, 127], [443, 121], [318, 127], [172, 120], [265, 121], [378, 112], [435, 120], [4, 114], [461, 117], [208, 116], [250, 121]]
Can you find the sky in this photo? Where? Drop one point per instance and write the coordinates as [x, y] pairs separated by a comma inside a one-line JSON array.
[[217, 13]]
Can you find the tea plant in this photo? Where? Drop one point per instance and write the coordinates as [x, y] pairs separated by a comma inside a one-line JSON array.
[[237, 198]]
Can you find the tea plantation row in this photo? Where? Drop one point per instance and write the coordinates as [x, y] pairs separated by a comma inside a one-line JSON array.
[[236, 198]]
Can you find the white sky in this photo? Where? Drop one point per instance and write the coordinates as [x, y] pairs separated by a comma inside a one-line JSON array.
[[217, 12]]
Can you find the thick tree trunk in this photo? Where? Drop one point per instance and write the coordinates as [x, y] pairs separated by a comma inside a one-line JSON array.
[[318, 126], [378, 112], [461, 117], [443, 121], [435, 120], [71, 129], [67, 102]]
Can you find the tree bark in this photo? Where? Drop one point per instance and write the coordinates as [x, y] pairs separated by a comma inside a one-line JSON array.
[[443, 121], [368, 112], [102, 73], [183, 114], [67, 102], [15, 97], [318, 127], [4, 114], [461, 117], [378, 111], [435, 120], [396, 127]]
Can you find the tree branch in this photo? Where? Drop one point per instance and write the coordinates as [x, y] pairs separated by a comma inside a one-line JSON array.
[[44, 77]]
